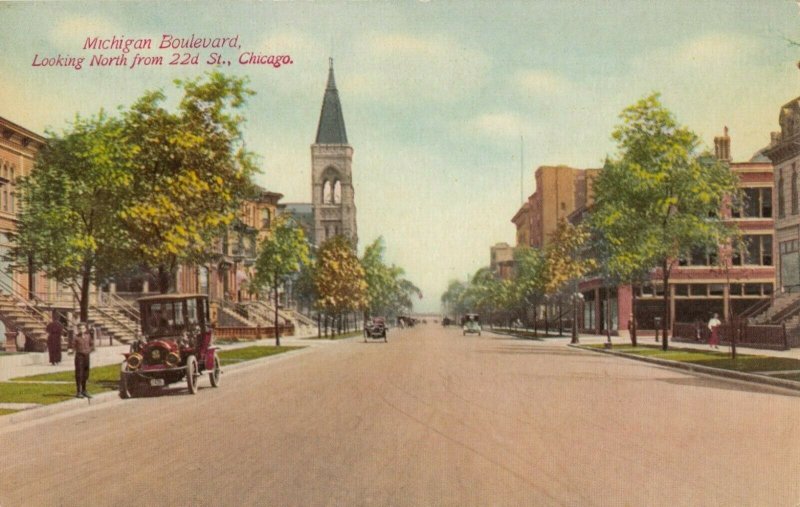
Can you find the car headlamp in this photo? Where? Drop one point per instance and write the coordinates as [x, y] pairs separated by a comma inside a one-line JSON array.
[[134, 361], [173, 359]]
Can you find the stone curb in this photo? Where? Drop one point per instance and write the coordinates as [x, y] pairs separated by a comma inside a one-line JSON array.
[[696, 368], [74, 405]]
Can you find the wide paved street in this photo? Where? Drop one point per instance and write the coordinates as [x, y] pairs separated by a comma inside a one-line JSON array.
[[430, 419]]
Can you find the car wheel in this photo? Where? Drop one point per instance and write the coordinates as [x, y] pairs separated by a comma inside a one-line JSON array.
[[214, 375], [191, 374]]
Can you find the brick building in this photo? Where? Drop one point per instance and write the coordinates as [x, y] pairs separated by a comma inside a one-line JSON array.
[[699, 286]]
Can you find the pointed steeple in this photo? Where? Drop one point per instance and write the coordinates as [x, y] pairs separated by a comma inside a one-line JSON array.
[[331, 121]]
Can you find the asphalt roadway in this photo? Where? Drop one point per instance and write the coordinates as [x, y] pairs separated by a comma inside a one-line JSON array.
[[431, 418]]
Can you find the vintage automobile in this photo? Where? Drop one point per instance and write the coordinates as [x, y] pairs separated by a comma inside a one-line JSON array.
[[176, 345], [471, 324], [375, 328]]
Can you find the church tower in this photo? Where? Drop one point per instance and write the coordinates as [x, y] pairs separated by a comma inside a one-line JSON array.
[[333, 198]]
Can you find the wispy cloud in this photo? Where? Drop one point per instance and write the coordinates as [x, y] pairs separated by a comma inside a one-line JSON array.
[[400, 67], [540, 83]]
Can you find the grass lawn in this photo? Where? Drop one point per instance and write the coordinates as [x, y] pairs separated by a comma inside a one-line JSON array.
[[249, 353], [101, 379], [6, 411], [743, 362], [44, 394]]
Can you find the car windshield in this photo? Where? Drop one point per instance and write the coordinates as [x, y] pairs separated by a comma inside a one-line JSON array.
[[172, 317]]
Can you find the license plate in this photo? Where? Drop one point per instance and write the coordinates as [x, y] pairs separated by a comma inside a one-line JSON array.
[[156, 382]]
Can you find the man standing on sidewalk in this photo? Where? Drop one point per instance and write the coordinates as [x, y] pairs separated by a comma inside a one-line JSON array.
[[83, 345]]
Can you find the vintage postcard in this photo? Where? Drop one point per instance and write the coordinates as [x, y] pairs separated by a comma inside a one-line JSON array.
[[400, 253]]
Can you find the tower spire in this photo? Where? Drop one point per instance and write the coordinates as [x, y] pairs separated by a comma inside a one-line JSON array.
[[331, 128]]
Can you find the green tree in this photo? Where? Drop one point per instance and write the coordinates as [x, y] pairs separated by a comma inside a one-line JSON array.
[[388, 293], [190, 172], [282, 252], [660, 196], [68, 225], [381, 279], [339, 281], [452, 298], [531, 278], [565, 261]]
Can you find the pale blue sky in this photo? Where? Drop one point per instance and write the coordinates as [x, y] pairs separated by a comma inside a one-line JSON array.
[[435, 94]]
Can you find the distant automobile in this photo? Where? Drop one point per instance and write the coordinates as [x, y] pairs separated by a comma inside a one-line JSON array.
[[472, 327], [375, 328]]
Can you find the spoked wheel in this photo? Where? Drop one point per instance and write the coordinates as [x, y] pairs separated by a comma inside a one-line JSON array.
[[214, 374], [191, 374]]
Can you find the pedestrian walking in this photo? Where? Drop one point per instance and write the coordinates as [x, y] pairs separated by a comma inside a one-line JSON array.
[[54, 332], [83, 345], [713, 326]]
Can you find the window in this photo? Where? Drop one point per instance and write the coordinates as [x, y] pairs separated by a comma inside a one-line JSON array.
[[752, 289], [757, 203], [757, 251], [699, 289], [735, 289], [781, 200], [327, 193], [793, 195], [716, 289], [337, 192], [766, 203], [681, 289]]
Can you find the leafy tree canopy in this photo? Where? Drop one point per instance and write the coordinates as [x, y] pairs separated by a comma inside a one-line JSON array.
[[67, 222], [190, 171], [339, 281]]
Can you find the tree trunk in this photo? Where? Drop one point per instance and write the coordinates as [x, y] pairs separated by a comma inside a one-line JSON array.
[[546, 323], [608, 314], [665, 320], [277, 325], [632, 323], [85, 285], [164, 279]]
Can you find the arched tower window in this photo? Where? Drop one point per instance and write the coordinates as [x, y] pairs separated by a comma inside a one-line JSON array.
[[337, 192], [327, 192]]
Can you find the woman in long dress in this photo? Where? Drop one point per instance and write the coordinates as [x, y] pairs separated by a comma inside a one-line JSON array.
[[54, 331], [713, 326]]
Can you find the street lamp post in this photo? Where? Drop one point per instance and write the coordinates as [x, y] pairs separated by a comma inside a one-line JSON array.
[[576, 298]]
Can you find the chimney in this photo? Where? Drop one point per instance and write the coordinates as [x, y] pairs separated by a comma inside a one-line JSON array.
[[722, 146]]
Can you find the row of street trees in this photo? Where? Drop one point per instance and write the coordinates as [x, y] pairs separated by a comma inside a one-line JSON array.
[[543, 277], [151, 188], [660, 197], [333, 279]]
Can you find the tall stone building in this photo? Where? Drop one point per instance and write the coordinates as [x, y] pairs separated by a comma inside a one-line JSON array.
[[784, 152], [333, 198]]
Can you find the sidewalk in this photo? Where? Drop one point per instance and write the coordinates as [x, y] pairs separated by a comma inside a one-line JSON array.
[[588, 339], [24, 364], [770, 377]]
